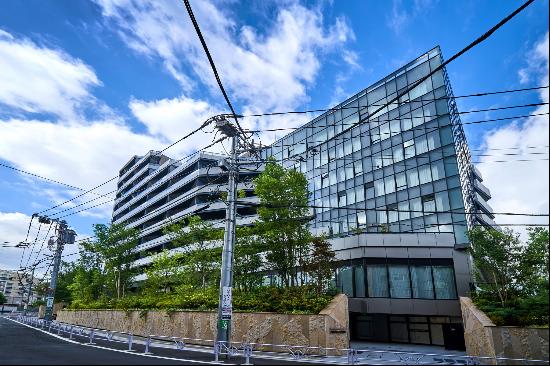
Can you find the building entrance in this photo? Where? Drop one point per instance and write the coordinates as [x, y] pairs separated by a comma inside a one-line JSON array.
[[430, 330]]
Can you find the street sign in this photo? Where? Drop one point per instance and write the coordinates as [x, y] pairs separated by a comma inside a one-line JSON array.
[[226, 303]]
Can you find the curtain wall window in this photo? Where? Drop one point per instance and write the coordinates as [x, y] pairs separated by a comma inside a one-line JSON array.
[[444, 282], [422, 284], [377, 280], [345, 280], [399, 281], [359, 281]]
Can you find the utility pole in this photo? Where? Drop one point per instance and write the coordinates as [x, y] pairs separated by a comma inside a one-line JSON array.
[[225, 306], [30, 289], [64, 235]]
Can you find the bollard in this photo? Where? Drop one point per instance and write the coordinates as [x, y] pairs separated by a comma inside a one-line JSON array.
[[71, 332], [130, 342], [92, 333], [352, 356], [59, 328], [50, 327], [180, 345], [247, 352], [216, 351], [147, 344]]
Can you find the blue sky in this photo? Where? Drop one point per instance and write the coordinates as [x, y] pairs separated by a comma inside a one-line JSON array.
[[84, 85]]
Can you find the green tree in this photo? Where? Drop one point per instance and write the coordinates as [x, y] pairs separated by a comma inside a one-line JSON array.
[[320, 264], [281, 228], [201, 256], [88, 282], [113, 246], [534, 266], [496, 258], [248, 260], [3, 299], [165, 273]]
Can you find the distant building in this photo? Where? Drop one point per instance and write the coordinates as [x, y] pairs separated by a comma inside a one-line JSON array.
[[396, 192], [15, 287]]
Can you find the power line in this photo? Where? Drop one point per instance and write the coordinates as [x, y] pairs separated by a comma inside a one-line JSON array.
[[153, 186], [116, 177], [459, 210], [420, 99], [212, 64], [40, 176], [477, 41], [378, 121], [43, 242]]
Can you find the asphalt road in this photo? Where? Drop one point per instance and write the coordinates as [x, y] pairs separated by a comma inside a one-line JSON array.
[[22, 345]]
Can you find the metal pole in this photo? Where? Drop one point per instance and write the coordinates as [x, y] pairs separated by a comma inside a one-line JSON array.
[[30, 289], [226, 282], [62, 226]]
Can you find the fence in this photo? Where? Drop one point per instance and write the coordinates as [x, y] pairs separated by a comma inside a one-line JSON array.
[[247, 351]]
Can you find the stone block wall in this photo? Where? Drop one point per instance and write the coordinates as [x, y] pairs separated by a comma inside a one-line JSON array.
[[329, 328], [484, 338]]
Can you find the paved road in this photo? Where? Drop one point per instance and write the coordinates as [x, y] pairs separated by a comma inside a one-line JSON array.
[[22, 345]]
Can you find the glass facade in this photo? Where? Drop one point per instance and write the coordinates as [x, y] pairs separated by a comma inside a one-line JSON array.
[[395, 170], [398, 279]]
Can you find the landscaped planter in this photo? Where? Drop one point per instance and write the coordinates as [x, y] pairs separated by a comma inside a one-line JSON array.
[[329, 328], [484, 338]]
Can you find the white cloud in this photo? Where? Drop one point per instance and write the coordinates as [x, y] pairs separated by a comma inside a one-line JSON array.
[[537, 62], [13, 226], [521, 187], [44, 80], [173, 118], [401, 16], [80, 155], [263, 69]]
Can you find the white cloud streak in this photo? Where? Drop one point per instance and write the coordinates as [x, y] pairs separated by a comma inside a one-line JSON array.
[[521, 187], [264, 71], [42, 80]]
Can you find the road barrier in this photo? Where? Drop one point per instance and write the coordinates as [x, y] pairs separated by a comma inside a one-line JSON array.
[[249, 350]]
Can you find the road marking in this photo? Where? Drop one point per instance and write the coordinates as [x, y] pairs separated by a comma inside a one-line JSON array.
[[119, 350]]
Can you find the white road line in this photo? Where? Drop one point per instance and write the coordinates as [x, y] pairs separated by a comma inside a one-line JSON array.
[[119, 350]]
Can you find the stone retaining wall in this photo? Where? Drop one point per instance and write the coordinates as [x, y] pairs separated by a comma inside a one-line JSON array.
[[484, 338], [330, 328]]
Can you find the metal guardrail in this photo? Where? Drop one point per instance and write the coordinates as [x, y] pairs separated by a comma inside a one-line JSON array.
[[249, 350]]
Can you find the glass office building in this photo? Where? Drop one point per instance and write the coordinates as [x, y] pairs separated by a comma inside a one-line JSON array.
[[396, 192]]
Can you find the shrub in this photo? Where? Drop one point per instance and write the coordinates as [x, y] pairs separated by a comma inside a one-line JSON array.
[[293, 300]]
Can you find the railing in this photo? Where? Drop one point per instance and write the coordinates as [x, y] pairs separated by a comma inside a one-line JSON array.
[[249, 350]]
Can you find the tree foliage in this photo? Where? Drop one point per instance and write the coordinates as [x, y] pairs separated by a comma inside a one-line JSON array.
[[512, 277], [496, 260], [165, 273], [201, 257], [3, 299], [283, 196], [320, 264]]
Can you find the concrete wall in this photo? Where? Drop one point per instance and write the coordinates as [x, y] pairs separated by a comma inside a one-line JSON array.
[[330, 328], [484, 338], [56, 307]]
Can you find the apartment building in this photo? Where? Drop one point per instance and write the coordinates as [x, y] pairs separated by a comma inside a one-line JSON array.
[[14, 290]]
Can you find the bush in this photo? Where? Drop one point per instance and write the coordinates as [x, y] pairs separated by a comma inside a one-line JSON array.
[[532, 311], [294, 300]]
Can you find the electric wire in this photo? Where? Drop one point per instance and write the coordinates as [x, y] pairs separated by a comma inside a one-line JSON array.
[[212, 64], [116, 177], [148, 188], [419, 99]]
